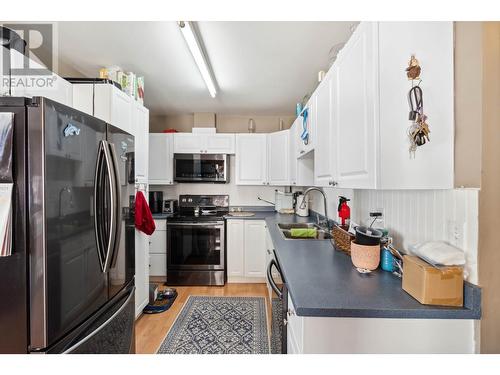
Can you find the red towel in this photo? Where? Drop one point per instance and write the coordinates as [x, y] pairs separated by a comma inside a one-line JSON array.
[[143, 218]]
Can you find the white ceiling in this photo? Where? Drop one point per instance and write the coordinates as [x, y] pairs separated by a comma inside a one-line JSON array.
[[260, 67]]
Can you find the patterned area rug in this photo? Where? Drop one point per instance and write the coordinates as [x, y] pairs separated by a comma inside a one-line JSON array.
[[219, 325]]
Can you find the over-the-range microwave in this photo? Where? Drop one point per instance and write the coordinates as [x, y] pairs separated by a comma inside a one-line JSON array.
[[201, 168]]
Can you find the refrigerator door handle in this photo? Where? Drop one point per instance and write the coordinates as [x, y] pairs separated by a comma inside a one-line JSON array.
[[114, 203], [116, 233], [98, 198]]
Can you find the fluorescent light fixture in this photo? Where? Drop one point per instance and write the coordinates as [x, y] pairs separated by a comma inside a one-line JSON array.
[[198, 55]]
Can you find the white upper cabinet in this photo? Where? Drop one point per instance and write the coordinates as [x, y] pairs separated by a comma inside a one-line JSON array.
[[324, 162], [301, 169], [278, 154], [432, 45], [219, 143], [355, 109], [161, 159], [113, 106], [251, 159], [189, 143], [140, 121], [307, 128]]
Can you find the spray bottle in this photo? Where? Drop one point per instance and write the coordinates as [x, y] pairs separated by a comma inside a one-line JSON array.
[[344, 211]]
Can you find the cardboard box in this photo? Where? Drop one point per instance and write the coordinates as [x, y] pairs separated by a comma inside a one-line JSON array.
[[433, 286]]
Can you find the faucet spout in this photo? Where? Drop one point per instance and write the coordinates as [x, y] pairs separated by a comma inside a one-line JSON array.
[[324, 202]]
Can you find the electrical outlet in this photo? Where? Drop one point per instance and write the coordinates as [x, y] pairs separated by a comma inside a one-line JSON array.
[[377, 217], [455, 233]]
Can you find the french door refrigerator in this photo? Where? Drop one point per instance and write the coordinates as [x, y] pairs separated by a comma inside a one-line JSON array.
[[68, 286]]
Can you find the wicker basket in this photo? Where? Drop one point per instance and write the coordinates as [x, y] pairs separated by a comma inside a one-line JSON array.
[[342, 239]]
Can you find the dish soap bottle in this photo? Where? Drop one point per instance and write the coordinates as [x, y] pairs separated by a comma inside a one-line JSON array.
[[344, 212]]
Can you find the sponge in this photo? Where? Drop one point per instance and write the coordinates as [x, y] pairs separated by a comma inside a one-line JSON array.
[[304, 232]]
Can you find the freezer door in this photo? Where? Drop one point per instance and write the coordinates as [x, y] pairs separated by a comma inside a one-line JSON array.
[[110, 331], [122, 269], [67, 282]]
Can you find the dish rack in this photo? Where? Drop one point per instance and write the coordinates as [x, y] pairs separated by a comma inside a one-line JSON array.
[[341, 239]]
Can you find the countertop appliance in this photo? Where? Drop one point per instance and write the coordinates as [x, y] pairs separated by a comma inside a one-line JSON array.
[[196, 241], [201, 168], [170, 206], [279, 306], [73, 290], [156, 202]]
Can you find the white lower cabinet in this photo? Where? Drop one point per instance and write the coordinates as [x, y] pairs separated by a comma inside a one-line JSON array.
[[246, 250], [158, 250], [315, 335]]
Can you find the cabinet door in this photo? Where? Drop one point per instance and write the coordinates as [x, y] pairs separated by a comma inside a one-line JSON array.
[[307, 122], [187, 143], [278, 158], [255, 248], [293, 153], [235, 248], [324, 171], [356, 109], [219, 143], [158, 242], [160, 159], [251, 159], [158, 264], [121, 110], [141, 272], [141, 132]]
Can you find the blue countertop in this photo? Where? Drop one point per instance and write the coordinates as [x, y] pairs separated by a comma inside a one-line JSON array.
[[322, 282]]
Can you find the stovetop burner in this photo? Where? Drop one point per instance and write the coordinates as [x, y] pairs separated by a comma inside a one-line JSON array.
[[202, 208]]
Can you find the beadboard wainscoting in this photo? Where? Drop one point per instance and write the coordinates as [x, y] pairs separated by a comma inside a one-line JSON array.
[[239, 195], [414, 216], [425, 215]]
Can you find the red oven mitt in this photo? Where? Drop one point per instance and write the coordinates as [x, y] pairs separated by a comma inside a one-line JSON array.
[[143, 218]]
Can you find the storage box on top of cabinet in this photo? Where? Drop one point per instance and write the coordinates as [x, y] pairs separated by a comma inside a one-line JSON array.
[[367, 118]]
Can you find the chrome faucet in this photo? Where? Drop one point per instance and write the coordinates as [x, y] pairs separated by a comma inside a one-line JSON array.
[[61, 194], [326, 223]]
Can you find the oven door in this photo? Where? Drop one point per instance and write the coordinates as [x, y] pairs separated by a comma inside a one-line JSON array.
[[279, 307], [195, 246]]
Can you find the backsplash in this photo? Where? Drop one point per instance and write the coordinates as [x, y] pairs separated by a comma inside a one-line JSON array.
[[414, 216], [238, 195]]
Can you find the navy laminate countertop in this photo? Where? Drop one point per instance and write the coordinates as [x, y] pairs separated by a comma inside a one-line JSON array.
[[322, 282]]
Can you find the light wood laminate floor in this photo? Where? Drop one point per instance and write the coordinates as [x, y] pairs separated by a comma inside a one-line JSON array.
[[150, 330]]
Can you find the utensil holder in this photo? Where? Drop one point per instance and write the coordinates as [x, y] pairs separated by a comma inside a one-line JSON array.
[[363, 256]]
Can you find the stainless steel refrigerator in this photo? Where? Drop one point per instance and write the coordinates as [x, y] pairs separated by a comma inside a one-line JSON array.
[[69, 284]]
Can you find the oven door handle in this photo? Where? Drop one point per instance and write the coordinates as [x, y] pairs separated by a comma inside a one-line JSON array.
[[271, 280]]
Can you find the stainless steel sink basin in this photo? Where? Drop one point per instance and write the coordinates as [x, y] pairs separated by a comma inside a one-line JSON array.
[[285, 229]]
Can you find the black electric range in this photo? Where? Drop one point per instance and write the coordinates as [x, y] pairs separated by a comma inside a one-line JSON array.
[[196, 241]]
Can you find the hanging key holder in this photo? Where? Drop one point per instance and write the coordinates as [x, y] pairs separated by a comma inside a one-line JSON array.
[[418, 132]]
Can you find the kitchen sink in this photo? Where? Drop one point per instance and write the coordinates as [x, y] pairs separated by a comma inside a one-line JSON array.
[[285, 229]]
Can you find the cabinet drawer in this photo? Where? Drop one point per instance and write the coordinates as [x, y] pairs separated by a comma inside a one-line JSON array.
[[157, 264], [158, 242], [161, 224]]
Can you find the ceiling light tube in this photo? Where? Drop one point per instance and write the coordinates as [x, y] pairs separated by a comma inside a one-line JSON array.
[[198, 55]]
